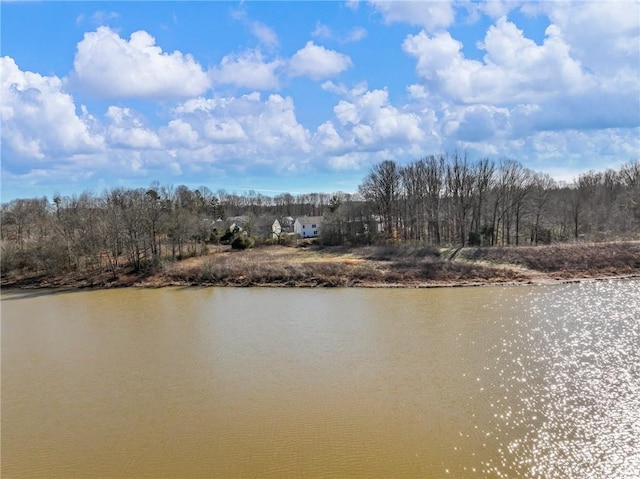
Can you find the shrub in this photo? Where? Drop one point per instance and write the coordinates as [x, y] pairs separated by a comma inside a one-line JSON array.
[[241, 242], [475, 238]]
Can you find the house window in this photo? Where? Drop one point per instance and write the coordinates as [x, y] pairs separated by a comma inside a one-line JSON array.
[[313, 226]]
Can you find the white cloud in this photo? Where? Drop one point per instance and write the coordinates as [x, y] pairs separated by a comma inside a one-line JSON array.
[[604, 36], [179, 133], [317, 62], [247, 127], [265, 34], [328, 138], [338, 89], [369, 119], [564, 103], [352, 4], [499, 8], [127, 130], [441, 63], [228, 130], [356, 34], [112, 67], [351, 160], [427, 14], [99, 18], [559, 152], [248, 70], [520, 87], [325, 32], [418, 92], [475, 123], [39, 119], [322, 31], [514, 69]]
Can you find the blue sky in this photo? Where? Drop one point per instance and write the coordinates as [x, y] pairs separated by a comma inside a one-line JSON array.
[[308, 96]]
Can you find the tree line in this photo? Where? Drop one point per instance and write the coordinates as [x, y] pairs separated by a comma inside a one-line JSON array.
[[138, 227], [451, 200], [437, 200]]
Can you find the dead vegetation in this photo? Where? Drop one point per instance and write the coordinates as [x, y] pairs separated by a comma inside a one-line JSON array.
[[406, 265], [565, 260], [373, 266]]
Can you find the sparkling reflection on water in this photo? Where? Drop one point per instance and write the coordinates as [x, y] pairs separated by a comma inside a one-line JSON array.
[[569, 406], [522, 382]]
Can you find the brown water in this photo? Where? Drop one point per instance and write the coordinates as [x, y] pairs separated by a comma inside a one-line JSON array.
[[535, 382]]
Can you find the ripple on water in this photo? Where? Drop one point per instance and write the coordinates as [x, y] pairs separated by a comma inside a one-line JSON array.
[[574, 371]]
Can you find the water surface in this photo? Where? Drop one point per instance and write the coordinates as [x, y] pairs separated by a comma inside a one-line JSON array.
[[540, 382]]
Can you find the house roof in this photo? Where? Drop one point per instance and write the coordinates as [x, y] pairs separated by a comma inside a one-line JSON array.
[[308, 220], [239, 219]]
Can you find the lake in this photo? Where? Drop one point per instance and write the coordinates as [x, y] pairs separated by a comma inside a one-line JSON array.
[[491, 382]]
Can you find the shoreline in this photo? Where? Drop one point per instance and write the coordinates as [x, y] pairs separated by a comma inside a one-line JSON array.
[[68, 288], [397, 266]]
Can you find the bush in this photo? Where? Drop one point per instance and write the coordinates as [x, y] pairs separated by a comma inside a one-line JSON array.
[[227, 237], [241, 242], [475, 238]]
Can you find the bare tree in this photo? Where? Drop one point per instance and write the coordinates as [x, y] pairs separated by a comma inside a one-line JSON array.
[[460, 184], [382, 188]]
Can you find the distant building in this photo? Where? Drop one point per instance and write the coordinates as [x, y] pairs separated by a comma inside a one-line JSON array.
[[240, 222], [286, 223], [307, 226], [267, 227]]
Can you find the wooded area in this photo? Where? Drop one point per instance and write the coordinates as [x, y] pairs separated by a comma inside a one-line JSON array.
[[445, 200]]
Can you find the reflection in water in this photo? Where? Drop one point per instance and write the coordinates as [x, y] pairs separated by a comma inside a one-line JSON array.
[[540, 382], [567, 400]]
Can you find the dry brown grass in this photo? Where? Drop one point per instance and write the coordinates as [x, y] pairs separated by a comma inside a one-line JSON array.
[[273, 266], [565, 260], [397, 266], [281, 266]]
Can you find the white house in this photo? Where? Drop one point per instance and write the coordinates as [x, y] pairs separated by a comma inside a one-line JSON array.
[[240, 222], [307, 226], [276, 229], [267, 227]]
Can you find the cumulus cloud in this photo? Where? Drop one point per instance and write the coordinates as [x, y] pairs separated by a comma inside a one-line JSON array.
[[316, 62], [328, 138], [475, 123], [179, 133], [429, 15], [570, 96], [39, 118], [514, 69], [498, 8], [127, 130], [247, 127], [604, 36], [248, 70], [520, 87], [368, 119], [605, 149], [112, 67]]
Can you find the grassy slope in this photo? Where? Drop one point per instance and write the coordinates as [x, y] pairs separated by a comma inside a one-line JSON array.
[[404, 266], [395, 266]]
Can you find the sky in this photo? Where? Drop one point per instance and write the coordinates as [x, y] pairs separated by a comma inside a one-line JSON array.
[[306, 96]]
